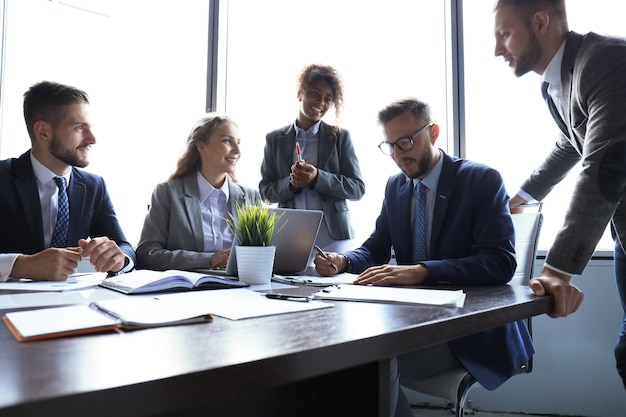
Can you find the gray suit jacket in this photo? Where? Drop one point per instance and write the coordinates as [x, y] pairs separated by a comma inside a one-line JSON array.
[[593, 75], [338, 179], [172, 236]]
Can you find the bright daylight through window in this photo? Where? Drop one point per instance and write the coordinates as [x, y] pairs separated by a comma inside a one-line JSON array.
[[146, 76]]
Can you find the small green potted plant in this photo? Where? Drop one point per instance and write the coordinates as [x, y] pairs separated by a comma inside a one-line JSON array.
[[254, 227]]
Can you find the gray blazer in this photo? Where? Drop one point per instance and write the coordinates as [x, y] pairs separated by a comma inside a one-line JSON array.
[[172, 236], [593, 75], [338, 179]]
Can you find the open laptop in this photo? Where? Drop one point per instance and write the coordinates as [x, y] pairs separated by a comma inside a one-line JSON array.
[[296, 233]]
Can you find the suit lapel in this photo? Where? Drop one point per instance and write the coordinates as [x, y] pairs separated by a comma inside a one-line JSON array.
[[445, 188], [402, 225], [572, 45], [326, 144], [26, 188], [286, 146], [191, 202], [236, 197], [553, 110], [76, 198]]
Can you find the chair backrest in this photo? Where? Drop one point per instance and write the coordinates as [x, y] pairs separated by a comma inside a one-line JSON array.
[[527, 228]]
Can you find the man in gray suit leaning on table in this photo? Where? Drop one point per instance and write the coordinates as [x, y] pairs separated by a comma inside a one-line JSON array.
[[584, 86], [53, 214], [448, 221]]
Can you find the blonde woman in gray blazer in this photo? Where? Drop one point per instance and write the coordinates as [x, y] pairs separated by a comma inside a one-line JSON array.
[[325, 172], [185, 227]]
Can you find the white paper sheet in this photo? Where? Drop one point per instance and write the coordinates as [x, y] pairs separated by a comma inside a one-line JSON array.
[[448, 298], [236, 304], [74, 282]]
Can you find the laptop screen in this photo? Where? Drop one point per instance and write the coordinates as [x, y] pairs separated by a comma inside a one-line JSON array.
[[296, 233]]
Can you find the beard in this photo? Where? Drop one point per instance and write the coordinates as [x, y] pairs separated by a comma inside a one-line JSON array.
[[423, 165], [69, 156], [529, 57]]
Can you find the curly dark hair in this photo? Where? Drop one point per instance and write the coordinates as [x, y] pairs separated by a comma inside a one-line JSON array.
[[314, 72]]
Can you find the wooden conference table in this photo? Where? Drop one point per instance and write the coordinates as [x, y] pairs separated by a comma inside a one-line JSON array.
[[322, 362]]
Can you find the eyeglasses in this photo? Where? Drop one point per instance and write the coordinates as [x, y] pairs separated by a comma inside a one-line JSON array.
[[404, 144]]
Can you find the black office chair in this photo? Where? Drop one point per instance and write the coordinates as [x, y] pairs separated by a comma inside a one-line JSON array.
[[455, 385]]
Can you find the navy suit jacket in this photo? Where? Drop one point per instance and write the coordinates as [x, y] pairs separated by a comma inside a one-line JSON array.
[[91, 210], [472, 242]]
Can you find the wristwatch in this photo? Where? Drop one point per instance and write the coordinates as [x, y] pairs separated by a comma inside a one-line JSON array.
[[348, 263]]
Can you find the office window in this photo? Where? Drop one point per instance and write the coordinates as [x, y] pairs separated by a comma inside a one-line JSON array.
[[143, 63], [508, 125], [384, 50]]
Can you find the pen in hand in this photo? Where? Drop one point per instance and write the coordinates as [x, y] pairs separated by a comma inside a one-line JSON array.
[[323, 255], [298, 152]]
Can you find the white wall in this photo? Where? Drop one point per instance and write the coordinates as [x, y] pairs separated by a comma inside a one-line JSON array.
[[574, 367]]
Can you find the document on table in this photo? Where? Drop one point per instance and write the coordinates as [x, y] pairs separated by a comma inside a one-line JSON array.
[[57, 298], [445, 298], [233, 304], [236, 304], [316, 280], [74, 282]]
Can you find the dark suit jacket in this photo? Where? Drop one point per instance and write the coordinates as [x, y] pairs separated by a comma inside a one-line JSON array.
[[339, 176], [472, 242], [172, 236], [91, 210], [593, 77]]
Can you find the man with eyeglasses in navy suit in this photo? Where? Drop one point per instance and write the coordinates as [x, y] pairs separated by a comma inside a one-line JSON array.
[[468, 236]]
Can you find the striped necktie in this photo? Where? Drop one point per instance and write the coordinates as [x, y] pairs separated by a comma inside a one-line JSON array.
[[59, 236]]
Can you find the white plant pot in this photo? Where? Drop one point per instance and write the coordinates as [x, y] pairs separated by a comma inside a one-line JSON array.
[[255, 264]]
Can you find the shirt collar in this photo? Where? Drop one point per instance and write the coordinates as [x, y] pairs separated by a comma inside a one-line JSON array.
[[205, 188], [312, 131], [44, 174], [552, 74]]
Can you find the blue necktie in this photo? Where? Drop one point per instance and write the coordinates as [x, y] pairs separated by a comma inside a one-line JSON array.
[[59, 237], [556, 115], [419, 224]]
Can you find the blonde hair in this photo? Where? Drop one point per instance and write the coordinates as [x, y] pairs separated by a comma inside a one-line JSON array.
[[190, 160]]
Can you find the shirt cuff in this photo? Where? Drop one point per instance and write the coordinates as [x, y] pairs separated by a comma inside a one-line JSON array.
[[547, 265], [526, 196], [7, 260], [128, 266]]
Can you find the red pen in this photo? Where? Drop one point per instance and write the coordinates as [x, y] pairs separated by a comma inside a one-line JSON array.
[[298, 152]]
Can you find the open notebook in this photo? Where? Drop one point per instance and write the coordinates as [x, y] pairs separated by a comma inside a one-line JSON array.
[[100, 316]]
